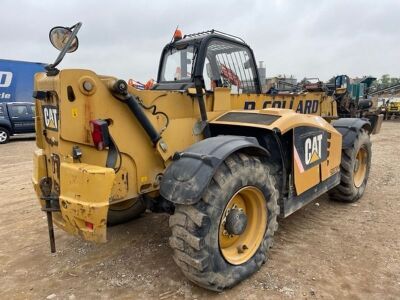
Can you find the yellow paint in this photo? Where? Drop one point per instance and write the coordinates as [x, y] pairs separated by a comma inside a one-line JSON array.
[[361, 170], [331, 165], [141, 161], [252, 202], [85, 192], [305, 180], [74, 112], [222, 99], [314, 157], [39, 171]]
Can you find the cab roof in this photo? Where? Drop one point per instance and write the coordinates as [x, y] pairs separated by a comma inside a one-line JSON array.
[[200, 36], [200, 40]]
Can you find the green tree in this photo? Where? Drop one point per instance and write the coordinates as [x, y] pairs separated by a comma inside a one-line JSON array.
[[385, 81], [394, 81]]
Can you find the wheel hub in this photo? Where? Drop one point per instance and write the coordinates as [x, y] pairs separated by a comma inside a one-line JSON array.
[[236, 222], [242, 225], [3, 136]]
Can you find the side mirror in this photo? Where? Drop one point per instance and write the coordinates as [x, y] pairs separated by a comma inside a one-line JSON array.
[[59, 37], [65, 40]]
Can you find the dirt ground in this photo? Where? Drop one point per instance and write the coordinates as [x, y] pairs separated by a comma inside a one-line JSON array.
[[326, 250]]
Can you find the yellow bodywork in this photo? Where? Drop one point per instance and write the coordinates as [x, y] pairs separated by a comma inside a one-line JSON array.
[[86, 187], [85, 191], [303, 180], [393, 107]]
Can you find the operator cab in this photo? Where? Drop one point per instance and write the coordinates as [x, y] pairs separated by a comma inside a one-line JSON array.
[[342, 82], [211, 59]]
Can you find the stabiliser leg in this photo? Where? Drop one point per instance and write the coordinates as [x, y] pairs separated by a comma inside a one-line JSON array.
[[49, 213], [51, 231]]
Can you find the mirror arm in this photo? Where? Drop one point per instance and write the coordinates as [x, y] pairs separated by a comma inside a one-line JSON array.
[[60, 57]]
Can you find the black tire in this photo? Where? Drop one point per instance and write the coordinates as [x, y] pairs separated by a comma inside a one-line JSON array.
[[195, 228], [348, 190], [125, 211], [4, 135]]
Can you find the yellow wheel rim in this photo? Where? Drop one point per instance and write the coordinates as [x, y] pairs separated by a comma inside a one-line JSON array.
[[237, 249], [360, 167]]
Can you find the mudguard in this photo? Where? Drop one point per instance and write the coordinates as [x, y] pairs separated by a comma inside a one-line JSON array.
[[349, 128], [5, 123], [187, 177]]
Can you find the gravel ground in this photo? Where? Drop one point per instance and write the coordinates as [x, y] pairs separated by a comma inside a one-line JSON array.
[[326, 250]]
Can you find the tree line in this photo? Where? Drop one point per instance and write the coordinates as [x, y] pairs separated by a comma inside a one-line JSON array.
[[385, 81]]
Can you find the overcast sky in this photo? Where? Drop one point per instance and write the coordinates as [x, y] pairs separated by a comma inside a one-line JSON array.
[[125, 38]]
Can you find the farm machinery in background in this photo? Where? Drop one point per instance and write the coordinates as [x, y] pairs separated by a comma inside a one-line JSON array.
[[350, 95], [387, 101]]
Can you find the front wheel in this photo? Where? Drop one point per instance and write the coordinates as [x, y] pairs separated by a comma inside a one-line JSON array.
[[225, 237], [354, 170]]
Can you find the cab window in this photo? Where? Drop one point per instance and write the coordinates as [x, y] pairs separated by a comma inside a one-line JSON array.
[[178, 64], [19, 110], [229, 65], [207, 75]]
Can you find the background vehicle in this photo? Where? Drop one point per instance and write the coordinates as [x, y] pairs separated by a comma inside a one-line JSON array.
[[352, 95], [16, 117], [392, 107], [16, 102], [204, 144], [16, 80]]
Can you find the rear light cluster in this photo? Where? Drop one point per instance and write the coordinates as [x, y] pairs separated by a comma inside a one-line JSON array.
[[100, 134], [89, 225]]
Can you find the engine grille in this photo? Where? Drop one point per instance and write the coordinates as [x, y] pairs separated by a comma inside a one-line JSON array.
[[241, 117]]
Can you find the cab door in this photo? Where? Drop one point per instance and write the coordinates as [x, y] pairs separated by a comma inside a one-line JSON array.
[[32, 113], [21, 117], [231, 65]]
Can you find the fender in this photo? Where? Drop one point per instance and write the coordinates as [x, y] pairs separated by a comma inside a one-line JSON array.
[[187, 177], [5, 123], [349, 128]]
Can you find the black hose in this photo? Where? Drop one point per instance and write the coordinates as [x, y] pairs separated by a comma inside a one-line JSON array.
[[135, 108], [120, 91], [154, 112]]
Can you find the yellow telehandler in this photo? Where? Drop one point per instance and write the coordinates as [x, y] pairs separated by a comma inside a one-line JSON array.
[[203, 144]]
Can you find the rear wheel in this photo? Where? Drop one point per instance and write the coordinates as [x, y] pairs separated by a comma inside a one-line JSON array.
[[225, 237], [4, 135], [354, 169], [125, 211]]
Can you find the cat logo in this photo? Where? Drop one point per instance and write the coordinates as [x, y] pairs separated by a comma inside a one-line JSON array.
[[312, 149], [50, 116]]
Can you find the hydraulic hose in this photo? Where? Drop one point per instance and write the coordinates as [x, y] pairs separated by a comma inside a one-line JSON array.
[[120, 90], [136, 109]]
